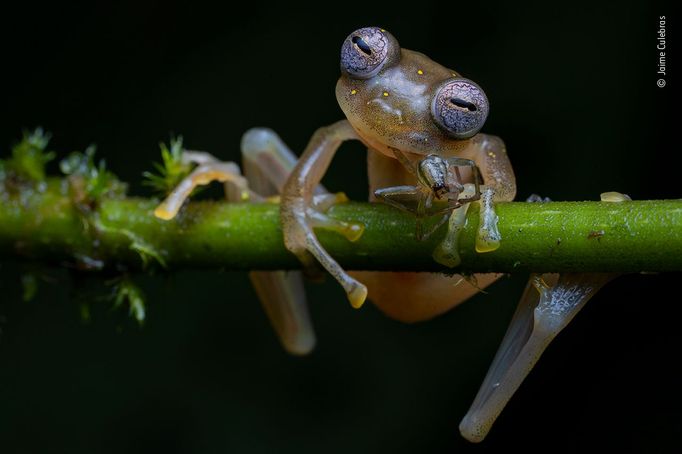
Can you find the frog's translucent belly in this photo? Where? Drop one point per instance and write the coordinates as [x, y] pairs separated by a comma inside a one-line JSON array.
[[414, 297]]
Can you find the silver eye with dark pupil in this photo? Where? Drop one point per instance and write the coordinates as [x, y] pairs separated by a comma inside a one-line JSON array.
[[362, 45], [366, 51], [460, 107]]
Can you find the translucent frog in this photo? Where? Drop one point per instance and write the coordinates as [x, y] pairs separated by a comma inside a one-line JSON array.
[[420, 122]]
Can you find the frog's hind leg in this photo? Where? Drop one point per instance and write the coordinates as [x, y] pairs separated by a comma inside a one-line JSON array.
[[547, 306], [267, 163], [282, 296]]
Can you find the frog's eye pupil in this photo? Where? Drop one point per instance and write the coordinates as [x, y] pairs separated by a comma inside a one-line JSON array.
[[462, 104], [362, 45], [459, 107], [366, 51]]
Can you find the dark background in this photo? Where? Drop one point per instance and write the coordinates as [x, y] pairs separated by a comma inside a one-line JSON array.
[[573, 93]]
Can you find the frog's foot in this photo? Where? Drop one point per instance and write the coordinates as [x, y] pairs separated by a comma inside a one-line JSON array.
[[547, 306], [536, 198], [614, 197], [447, 251], [209, 169], [488, 236], [319, 219], [300, 239]]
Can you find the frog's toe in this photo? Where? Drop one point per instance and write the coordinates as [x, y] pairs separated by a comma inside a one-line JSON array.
[[447, 251], [236, 186], [319, 219], [351, 230], [323, 202], [537, 198], [357, 295], [300, 239], [614, 197]]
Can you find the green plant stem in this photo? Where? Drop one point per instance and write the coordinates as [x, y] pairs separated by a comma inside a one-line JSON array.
[[543, 237]]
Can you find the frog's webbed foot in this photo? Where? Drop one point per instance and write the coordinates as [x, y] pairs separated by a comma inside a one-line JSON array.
[[488, 236], [547, 306], [447, 251], [208, 169], [537, 198], [300, 212], [299, 237], [614, 197], [319, 219], [490, 155]]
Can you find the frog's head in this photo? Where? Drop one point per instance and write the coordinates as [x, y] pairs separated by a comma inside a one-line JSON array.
[[397, 98]]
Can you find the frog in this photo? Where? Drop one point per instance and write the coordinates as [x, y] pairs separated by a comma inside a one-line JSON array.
[[421, 123]]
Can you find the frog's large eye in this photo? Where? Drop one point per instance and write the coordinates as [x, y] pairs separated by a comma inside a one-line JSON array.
[[366, 51], [460, 107]]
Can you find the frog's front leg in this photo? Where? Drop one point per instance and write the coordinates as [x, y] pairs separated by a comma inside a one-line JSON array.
[[267, 164], [299, 215], [490, 155]]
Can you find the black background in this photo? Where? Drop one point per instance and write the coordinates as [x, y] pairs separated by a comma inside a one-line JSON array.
[[573, 94]]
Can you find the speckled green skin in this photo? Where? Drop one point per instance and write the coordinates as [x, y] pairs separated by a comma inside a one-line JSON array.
[[543, 237]]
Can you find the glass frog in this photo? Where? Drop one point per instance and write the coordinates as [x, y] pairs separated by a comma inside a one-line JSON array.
[[420, 122]]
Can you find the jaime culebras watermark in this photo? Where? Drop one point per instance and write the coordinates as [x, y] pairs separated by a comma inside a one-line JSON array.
[[661, 52]]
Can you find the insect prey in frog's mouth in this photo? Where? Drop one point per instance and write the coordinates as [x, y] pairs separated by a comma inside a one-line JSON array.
[[439, 190]]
